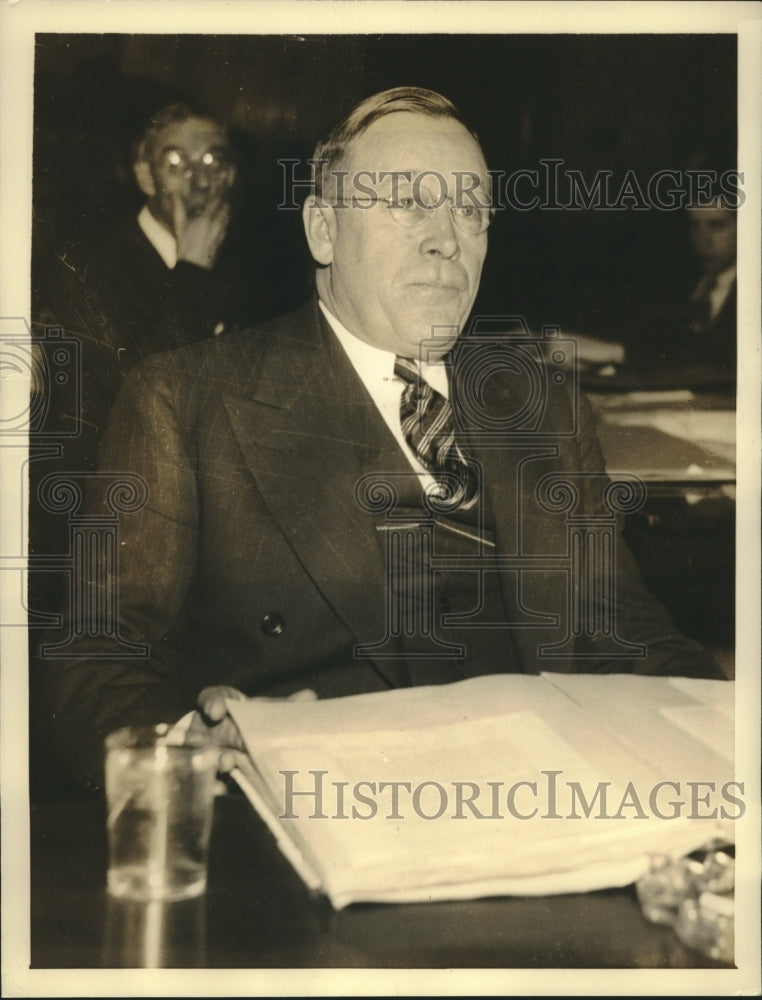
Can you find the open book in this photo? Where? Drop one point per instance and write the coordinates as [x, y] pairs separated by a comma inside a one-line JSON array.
[[498, 785]]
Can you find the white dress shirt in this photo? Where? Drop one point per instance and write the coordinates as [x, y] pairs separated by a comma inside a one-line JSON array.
[[721, 289], [375, 367], [160, 239]]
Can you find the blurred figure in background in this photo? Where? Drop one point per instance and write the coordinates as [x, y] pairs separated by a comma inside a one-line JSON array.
[[712, 305], [693, 342], [687, 335], [152, 283]]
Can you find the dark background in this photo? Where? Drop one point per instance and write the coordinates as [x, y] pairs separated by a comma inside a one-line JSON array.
[[616, 102], [598, 102]]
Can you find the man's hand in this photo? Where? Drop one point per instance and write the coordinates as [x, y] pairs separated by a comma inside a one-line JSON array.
[[211, 717], [199, 237]]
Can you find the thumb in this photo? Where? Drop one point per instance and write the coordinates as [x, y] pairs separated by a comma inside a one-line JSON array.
[[306, 694], [211, 701]]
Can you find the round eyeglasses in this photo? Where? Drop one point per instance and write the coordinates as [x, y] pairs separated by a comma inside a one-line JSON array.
[[410, 211], [215, 161]]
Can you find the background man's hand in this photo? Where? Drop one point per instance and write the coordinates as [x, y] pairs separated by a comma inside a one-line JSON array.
[[200, 237]]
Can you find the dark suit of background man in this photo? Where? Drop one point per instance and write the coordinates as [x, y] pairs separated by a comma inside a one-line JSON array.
[[691, 339], [712, 304], [259, 563]]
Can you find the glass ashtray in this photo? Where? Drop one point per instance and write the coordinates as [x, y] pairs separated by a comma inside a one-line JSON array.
[[695, 895]]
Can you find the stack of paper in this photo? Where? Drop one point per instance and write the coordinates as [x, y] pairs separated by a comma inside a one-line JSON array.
[[667, 435], [504, 784]]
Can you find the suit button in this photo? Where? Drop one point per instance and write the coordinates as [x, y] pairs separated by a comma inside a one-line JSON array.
[[272, 623]]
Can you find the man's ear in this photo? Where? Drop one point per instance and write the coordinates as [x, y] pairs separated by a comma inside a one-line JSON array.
[[144, 177], [320, 229]]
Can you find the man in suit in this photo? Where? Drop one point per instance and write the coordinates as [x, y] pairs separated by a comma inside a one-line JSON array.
[[712, 303], [691, 339], [686, 334], [307, 524], [151, 283]]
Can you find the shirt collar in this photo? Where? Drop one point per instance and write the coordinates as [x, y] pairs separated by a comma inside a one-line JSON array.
[[160, 239], [725, 278], [375, 365]]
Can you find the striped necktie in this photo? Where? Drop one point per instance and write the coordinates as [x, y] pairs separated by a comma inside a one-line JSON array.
[[427, 424]]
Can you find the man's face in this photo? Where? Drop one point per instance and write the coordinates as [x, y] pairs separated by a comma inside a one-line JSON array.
[[392, 286], [712, 232], [190, 163]]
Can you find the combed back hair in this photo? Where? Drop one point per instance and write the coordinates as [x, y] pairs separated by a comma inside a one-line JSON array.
[[330, 152], [171, 114]]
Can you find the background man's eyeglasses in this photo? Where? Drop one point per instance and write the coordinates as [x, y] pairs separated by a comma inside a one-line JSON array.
[[215, 161]]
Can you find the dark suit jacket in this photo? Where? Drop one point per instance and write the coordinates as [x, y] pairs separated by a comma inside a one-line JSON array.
[[253, 564], [117, 301], [118, 298]]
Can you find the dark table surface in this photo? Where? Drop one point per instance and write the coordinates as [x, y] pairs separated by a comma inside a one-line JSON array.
[[257, 913]]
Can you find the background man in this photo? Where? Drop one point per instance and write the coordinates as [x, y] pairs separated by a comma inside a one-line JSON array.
[[260, 563], [712, 303], [686, 334], [690, 337], [150, 284]]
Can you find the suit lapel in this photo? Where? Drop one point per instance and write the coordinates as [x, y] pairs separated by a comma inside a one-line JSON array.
[[309, 431]]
